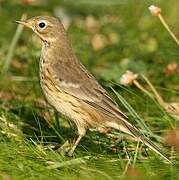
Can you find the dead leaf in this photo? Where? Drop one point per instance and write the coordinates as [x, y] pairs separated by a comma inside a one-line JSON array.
[[32, 2], [114, 38], [27, 2], [98, 42], [133, 173], [18, 65], [171, 68], [172, 138], [5, 95], [91, 24], [5, 176]]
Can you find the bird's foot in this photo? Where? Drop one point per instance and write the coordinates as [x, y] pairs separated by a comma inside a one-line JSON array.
[[71, 151], [65, 148]]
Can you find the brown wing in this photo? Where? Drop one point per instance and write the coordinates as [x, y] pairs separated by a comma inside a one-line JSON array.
[[74, 79]]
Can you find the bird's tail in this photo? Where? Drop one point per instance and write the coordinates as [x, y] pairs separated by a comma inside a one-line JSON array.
[[134, 132]]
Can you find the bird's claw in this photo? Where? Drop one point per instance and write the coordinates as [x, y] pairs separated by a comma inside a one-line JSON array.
[[66, 149]]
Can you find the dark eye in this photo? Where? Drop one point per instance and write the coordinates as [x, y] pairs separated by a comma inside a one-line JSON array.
[[42, 25]]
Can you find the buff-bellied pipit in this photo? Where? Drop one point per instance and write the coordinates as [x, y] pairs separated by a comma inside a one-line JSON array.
[[72, 90]]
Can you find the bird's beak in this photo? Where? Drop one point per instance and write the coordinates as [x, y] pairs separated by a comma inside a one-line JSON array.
[[25, 23]]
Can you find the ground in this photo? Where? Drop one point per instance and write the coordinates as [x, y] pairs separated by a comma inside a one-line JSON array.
[[109, 37]]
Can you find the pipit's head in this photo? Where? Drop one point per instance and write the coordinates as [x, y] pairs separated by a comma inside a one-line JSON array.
[[47, 28]]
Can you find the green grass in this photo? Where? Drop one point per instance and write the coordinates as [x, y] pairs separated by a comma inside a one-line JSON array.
[[29, 132]]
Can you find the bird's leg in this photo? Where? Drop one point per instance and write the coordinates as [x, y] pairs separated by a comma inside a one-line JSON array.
[[81, 133], [70, 153]]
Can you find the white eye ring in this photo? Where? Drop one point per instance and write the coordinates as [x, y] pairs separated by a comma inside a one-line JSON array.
[[42, 25]]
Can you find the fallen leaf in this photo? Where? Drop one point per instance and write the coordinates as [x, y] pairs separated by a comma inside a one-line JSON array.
[[113, 38], [171, 68], [92, 24], [18, 65], [172, 138], [98, 42], [133, 173], [5, 95], [27, 2]]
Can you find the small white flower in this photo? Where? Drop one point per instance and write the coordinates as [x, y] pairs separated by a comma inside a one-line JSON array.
[[128, 78], [155, 11]]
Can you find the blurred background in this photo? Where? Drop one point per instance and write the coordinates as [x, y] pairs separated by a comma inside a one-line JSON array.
[[109, 37]]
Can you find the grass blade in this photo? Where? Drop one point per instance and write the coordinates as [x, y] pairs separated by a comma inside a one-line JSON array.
[[71, 162], [12, 46], [133, 113]]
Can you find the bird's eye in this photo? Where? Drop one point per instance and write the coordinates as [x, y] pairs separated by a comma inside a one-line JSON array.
[[42, 25]]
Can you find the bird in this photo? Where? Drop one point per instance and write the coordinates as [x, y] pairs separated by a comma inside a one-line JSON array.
[[72, 90]]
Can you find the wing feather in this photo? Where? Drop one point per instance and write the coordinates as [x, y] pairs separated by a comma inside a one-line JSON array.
[[78, 82]]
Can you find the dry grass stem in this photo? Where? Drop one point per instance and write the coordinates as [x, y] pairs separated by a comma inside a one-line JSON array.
[[129, 78], [172, 108], [156, 11], [156, 94]]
